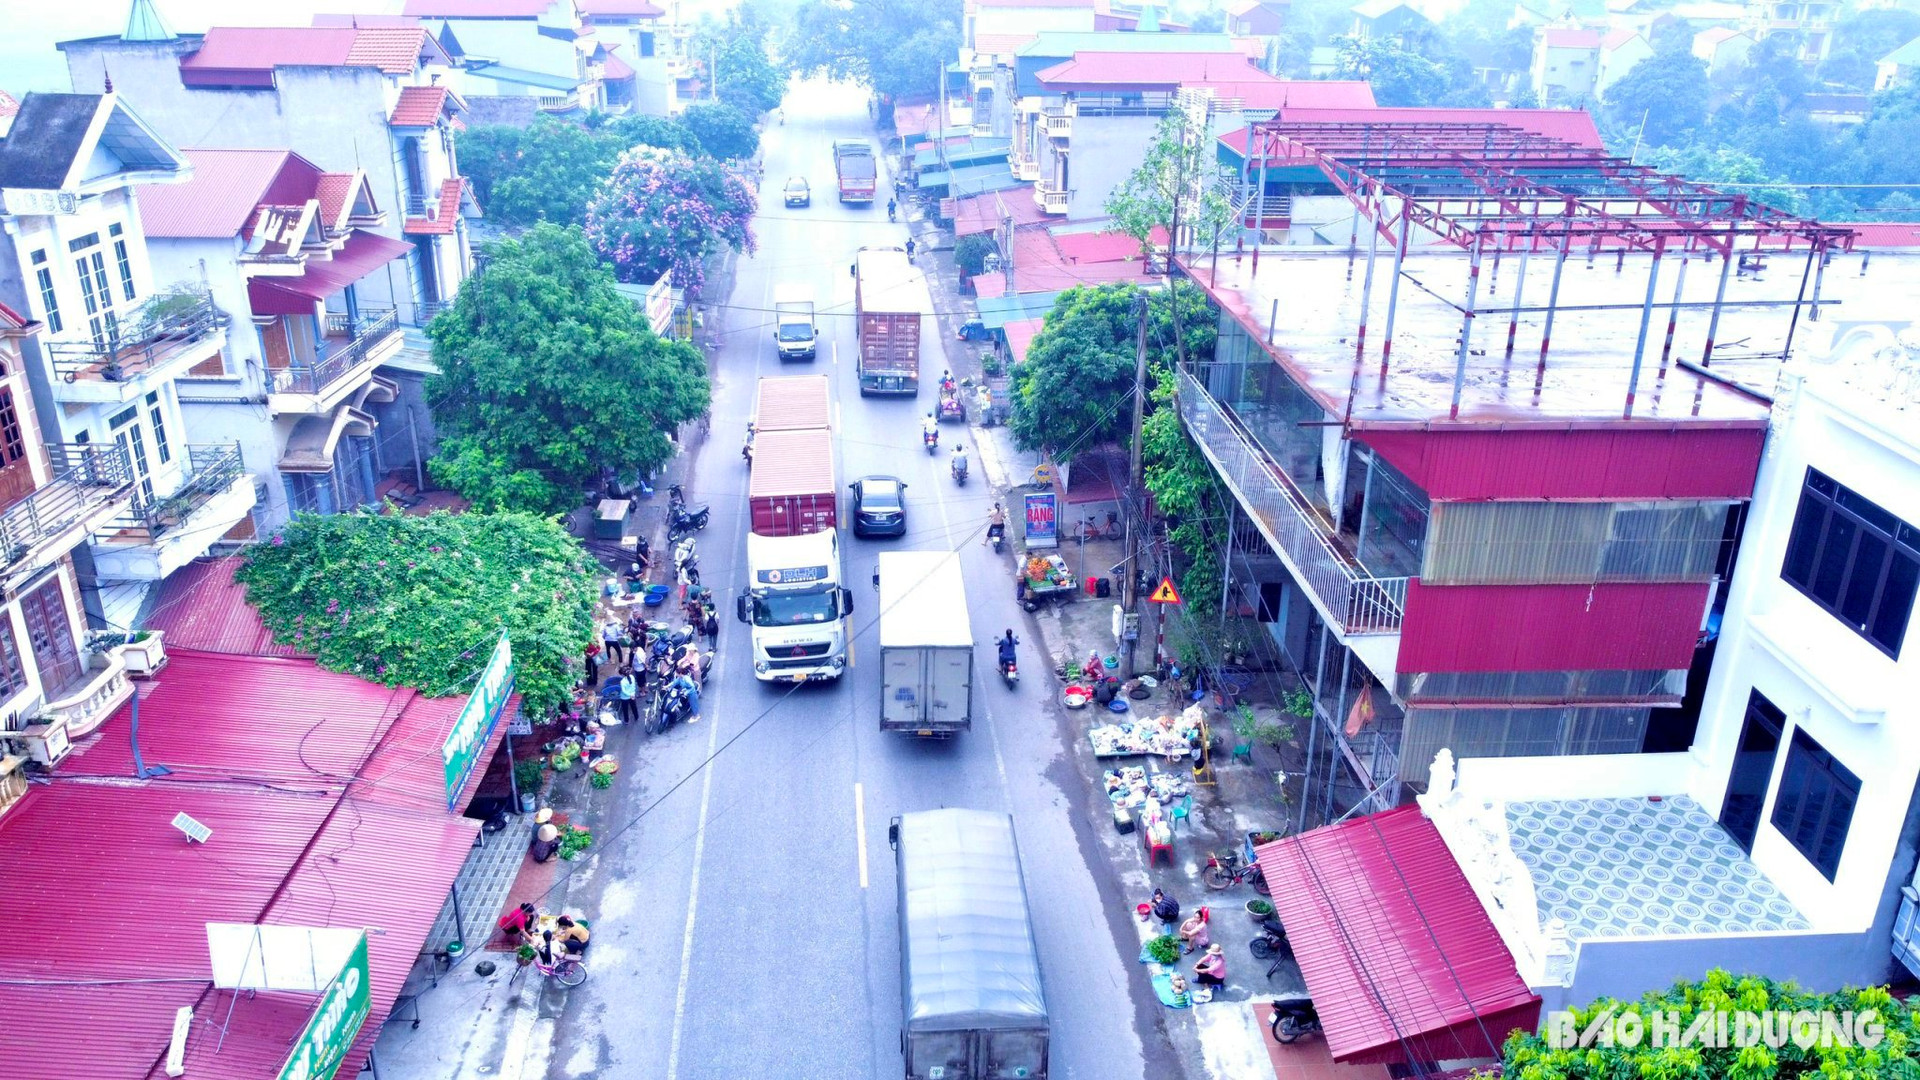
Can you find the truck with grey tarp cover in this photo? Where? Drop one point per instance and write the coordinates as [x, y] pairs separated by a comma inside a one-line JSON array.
[[969, 969]]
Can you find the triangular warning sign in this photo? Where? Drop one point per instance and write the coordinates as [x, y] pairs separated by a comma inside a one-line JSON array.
[[1165, 594]]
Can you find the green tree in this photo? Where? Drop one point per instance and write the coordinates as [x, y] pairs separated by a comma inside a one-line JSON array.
[[1175, 184], [420, 601], [1528, 1056], [745, 73], [970, 253], [667, 133], [1860, 40], [1399, 77], [663, 211], [1662, 101], [722, 131], [1710, 165], [1187, 493], [898, 48], [548, 375], [545, 172]]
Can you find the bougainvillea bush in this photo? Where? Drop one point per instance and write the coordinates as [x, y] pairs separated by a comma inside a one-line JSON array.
[[663, 210], [420, 601]]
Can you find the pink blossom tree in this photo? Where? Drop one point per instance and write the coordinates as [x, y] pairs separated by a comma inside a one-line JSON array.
[[664, 210]]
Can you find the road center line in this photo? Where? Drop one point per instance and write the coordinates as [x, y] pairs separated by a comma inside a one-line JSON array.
[[860, 829]]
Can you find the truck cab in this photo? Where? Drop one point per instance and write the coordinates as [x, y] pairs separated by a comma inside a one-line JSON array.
[[795, 335], [797, 607]]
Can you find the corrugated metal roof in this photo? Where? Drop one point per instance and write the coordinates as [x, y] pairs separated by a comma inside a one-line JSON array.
[[639, 8], [1653, 461], [1569, 125], [476, 9], [1166, 69], [240, 49], [792, 463], [985, 213], [1611, 626], [792, 403], [362, 254], [220, 199], [1020, 334], [1001, 44], [418, 106], [200, 606], [1396, 951], [1884, 234], [1099, 247]]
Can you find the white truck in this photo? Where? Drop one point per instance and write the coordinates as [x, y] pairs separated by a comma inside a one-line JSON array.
[[926, 644], [794, 333], [796, 606]]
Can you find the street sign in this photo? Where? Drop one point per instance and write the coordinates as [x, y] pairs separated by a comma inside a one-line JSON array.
[[477, 717], [1043, 521], [320, 1049], [1165, 594]]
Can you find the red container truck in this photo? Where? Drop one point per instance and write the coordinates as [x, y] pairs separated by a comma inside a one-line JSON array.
[[854, 166], [889, 298], [791, 491], [792, 403]]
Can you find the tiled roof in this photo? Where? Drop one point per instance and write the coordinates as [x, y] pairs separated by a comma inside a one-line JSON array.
[[392, 49], [450, 192], [226, 186], [200, 606], [1150, 69], [8, 104], [1617, 38], [418, 106], [615, 67], [335, 192], [11, 319]]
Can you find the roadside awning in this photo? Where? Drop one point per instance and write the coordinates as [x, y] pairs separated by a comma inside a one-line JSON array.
[[362, 254], [1399, 957]]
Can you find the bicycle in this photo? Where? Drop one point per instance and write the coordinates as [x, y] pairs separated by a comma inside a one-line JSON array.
[[1227, 870], [1090, 528], [568, 971]]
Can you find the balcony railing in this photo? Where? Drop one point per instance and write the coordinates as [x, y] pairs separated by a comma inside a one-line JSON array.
[[211, 470], [85, 477], [557, 102], [142, 339], [1358, 601], [373, 328], [425, 311], [87, 704], [423, 206], [1056, 121], [1050, 199]]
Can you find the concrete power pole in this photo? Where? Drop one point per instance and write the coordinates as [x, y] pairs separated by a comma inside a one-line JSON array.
[[1136, 495]]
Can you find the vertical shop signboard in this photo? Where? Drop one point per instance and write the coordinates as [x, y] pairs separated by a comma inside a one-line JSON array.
[[1043, 522]]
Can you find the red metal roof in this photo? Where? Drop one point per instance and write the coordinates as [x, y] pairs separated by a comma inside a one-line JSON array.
[[911, 119], [639, 8], [1101, 70], [1100, 247], [1568, 125], [1020, 334], [1562, 37], [1884, 234], [1612, 626], [241, 55], [363, 253], [1396, 951], [200, 606], [791, 463], [226, 187], [984, 213], [443, 225], [418, 106], [1651, 460]]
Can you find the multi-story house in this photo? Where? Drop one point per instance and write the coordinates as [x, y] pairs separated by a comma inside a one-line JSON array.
[[1808, 22], [373, 100], [536, 49], [1566, 66], [1722, 48], [1620, 51], [638, 38], [286, 252], [116, 342]]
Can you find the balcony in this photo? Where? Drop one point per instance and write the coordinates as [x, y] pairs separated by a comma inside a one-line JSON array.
[[1347, 595], [89, 486], [148, 346], [981, 77], [1056, 121], [155, 538], [1024, 167], [348, 357], [557, 103], [87, 704], [1050, 199]]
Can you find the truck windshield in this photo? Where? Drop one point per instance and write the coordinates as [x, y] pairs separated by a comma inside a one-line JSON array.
[[796, 609], [796, 331]]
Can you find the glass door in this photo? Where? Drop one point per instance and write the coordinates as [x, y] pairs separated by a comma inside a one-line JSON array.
[[1752, 770], [50, 633]]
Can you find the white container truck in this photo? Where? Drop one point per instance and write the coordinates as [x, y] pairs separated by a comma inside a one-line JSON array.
[[794, 333], [796, 607], [926, 644]]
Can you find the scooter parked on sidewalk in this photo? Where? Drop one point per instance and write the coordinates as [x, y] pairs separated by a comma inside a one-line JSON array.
[[1294, 1018]]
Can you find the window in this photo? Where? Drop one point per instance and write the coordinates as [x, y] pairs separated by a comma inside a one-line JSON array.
[[101, 319], [1815, 803], [1854, 559], [158, 415], [13, 672], [82, 243], [49, 302], [120, 257]]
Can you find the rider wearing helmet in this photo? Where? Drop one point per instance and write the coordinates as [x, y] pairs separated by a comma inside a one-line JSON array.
[[1006, 645], [959, 460]]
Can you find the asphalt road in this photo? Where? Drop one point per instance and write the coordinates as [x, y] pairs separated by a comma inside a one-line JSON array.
[[745, 920]]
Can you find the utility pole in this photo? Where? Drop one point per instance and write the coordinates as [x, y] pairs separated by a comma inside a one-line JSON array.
[[1136, 498]]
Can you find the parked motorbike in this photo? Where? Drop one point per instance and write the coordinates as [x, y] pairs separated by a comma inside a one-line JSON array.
[[1272, 941], [1294, 1017], [693, 661], [666, 708], [686, 555], [686, 519]]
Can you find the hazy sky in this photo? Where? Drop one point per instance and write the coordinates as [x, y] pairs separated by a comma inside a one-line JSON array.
[[28, 60]]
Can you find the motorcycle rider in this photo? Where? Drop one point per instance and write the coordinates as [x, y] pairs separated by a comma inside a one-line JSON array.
[[1006, 647], [891, 209], [930, 430], [959, 465], [996, 526], [909, 249]]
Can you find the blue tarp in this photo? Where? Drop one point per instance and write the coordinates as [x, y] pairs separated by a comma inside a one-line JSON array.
[[974, 152], [997, 311], [970, 179]]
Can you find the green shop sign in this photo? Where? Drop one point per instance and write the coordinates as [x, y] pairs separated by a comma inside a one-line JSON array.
[[476, 720], [321, 1048]]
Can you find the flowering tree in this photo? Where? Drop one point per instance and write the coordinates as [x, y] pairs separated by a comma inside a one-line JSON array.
[[419, 601], [663, 210]]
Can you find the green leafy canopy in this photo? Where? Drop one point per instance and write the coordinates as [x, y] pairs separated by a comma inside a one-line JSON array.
[[419, 601], [549, 375]]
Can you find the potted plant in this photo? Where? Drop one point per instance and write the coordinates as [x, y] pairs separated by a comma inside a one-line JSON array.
[[144, 652], [1259, 909], [529, 776]]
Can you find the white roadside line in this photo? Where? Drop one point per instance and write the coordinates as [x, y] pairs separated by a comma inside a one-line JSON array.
[[860, 829]]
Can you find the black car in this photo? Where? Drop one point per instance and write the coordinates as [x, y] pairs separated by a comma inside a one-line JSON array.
[[797, 192], [879, 506]]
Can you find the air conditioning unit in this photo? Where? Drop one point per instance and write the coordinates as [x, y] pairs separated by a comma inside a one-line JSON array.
[[46, 744]]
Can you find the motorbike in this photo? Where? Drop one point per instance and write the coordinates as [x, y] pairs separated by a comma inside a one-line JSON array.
[[959, 470], [932, 440], [686, 519], [997, 536], [1294, 1017], [693, 661], [686, 555], [666, 708], [1010, 670], [1272, 941], [891, 212]]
